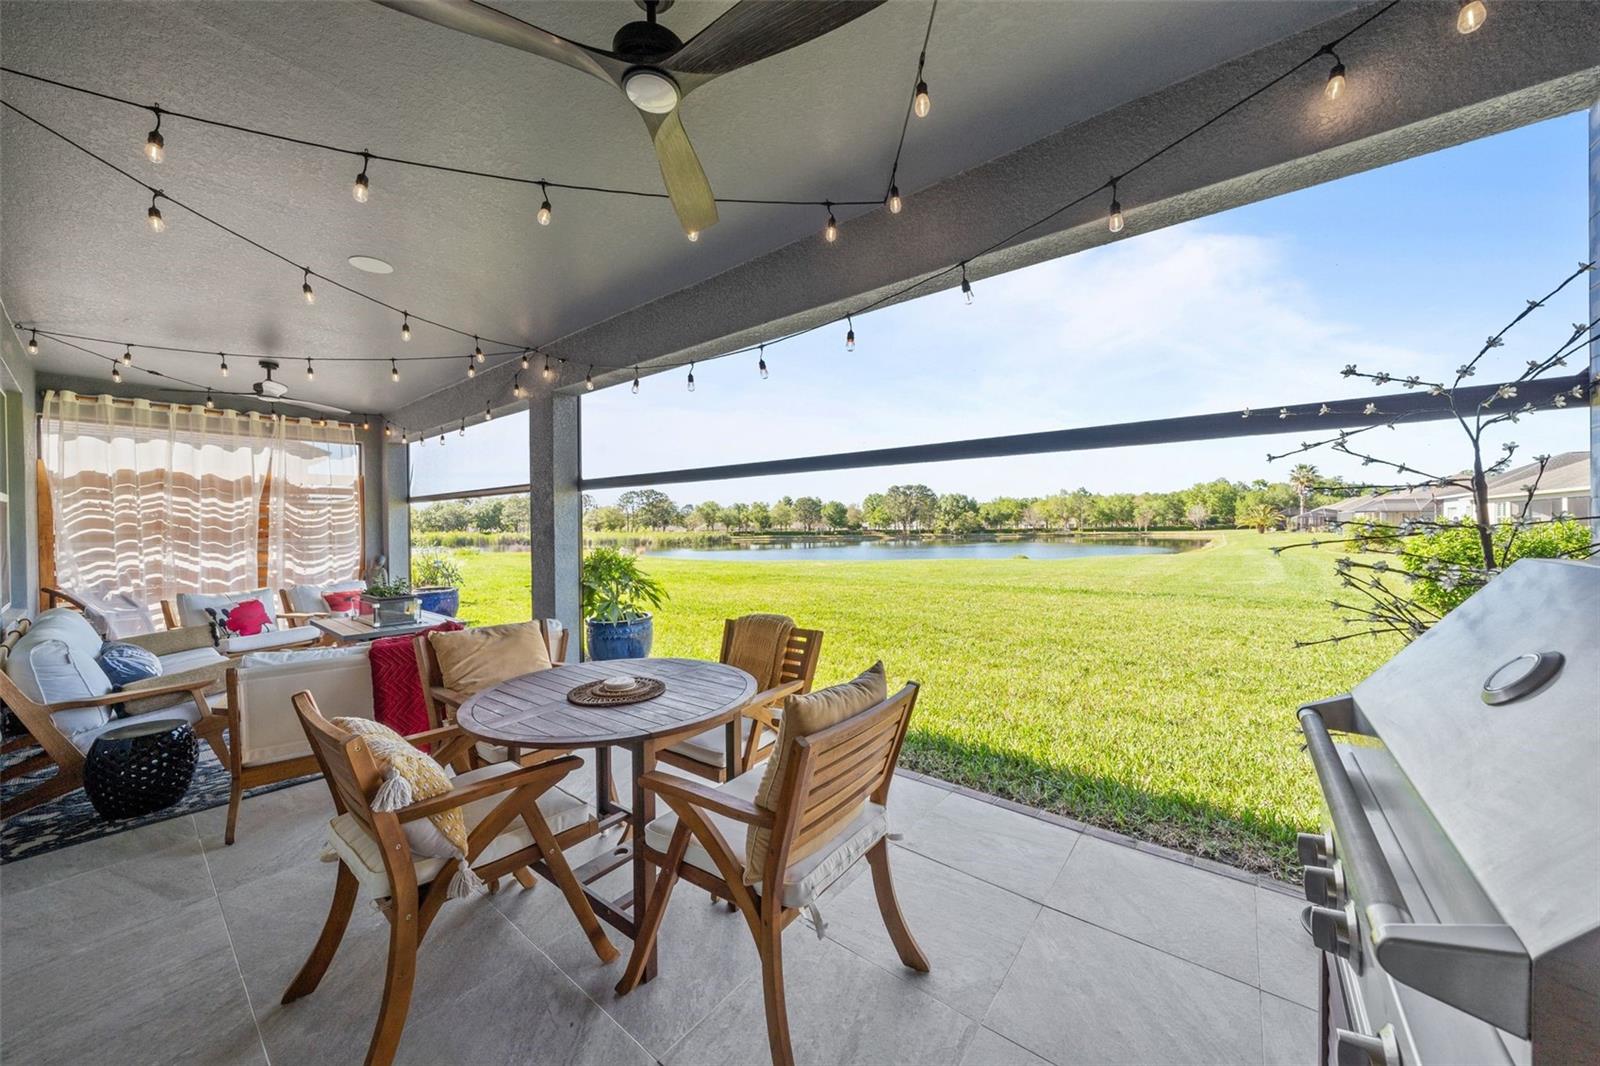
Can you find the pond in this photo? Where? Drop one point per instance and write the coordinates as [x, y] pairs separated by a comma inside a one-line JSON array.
[[872, 549]]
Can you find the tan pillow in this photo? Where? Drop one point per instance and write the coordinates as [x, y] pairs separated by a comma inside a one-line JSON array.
[[802, 716], [471, 660]]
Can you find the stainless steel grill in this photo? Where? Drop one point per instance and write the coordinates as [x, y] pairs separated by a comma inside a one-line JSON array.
[[1455, 888]]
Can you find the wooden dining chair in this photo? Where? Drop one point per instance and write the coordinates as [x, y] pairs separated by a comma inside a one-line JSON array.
[[516, 819], [704, 755], [443, 701], [821, 778]]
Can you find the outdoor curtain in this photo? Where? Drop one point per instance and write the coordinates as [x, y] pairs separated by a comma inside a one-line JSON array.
[[152, 499]]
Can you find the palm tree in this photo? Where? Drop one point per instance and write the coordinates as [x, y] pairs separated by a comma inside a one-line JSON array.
[[1260, 517], [1303, 478]]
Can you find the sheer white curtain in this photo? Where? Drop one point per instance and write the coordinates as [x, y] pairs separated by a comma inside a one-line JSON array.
[[152, 499]]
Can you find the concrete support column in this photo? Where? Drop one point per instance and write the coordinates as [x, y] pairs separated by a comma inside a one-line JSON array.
[[555, 510], [393, 522], [1594, 311]]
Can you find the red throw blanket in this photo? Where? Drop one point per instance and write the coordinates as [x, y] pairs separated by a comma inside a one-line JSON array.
[[397, 699]]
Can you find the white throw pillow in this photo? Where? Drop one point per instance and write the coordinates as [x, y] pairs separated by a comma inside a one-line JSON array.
[[192, 605], [49, 670]]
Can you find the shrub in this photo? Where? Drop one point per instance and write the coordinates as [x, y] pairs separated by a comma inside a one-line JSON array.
[[1447, 562], [433, 568], [615, 589]]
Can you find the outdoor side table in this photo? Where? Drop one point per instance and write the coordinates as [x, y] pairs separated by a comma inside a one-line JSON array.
[[140, 768]]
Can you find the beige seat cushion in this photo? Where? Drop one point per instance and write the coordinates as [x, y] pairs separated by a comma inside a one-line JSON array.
[[271, 640], [805, 879], [710, 747], [471, 660], [360, 851]]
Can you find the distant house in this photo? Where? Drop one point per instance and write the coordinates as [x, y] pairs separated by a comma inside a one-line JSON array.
[[1562, 490], [1389, 508]]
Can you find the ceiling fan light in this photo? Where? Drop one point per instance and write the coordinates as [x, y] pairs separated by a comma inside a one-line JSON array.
[[651, 90]]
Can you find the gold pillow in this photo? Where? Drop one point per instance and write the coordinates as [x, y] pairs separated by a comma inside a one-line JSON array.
[[802, 716], [470, 660]]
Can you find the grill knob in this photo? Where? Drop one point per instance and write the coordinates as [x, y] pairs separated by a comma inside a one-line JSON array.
[[1330, 930], [1325, 885], [1359, 1049], [1315, 849]]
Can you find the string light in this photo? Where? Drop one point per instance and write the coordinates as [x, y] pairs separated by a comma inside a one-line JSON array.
[[127, 355], [636, 381], [1115, 220], [155, 146], [850, 334], [210, 403], [588, 379], [966, 286], [361, 190], [693, 235], [544, 206], [830, 232], [394, 371], [116, 373], [366, 423], [305, 288], [472, 368], [477, 350], [691, 377], [1470, 18], [463, 431], [761, 362], [405, 326], [549, 373], [524, 358], [33, 342], [894, 200], [516, 386], [157, 223], [311, 372], [486, 413], [224, 366], [1335, 87], [923, 103], [388, 430]]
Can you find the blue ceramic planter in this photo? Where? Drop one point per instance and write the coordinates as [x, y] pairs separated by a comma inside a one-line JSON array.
[[620, 640], [440, 601]]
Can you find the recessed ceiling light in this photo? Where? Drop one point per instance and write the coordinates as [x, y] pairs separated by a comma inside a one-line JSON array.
[[370, 264]]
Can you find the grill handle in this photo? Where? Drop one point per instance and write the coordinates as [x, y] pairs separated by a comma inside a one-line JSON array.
[[1364, 864]]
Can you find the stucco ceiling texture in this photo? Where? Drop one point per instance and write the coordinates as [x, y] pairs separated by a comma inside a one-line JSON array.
[[820, 121]]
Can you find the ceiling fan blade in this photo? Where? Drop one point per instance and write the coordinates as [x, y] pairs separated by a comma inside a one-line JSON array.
[[481, 20], [752, 30], [311, 405], [219, 393], [680, 170]]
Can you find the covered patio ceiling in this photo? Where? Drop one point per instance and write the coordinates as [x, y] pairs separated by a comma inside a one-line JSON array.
[[1034, 105]]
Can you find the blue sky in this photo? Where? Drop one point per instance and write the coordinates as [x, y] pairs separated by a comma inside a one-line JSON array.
[[1405, 269]]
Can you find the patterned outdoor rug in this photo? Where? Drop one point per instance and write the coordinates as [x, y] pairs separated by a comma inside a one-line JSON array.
[[71, 819]]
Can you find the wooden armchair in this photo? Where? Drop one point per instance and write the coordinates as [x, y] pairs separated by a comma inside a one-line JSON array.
[[443, 702], [831, 771], [704, 755], [157, 697], [516, 820]]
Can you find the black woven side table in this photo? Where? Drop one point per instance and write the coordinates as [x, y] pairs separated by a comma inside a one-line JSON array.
[[140, 768]]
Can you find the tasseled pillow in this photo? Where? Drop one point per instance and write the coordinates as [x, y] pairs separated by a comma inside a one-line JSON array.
[[410, 775]]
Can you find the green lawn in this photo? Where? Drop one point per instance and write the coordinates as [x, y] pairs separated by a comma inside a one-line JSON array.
[[1150, 694]]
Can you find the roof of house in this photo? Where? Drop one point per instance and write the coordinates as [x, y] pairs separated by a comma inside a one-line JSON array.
[[1565, 474]]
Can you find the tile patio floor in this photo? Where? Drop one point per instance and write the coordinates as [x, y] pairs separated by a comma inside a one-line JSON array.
[[1049, 944]]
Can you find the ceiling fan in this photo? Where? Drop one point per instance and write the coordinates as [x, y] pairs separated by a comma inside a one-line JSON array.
[[656, 70], [275, 391]]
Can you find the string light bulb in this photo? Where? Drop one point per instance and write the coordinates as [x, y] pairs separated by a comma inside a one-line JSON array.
[[761, 362], [472, 368], [116, 374], [1470, 18], [544, 206], [691, 377], [127, 355], [210, 403], [361, 189], [305, 288], [548, 373], [850, 334], [477, 351], [922, 103], [388, 430], [463, 431], [966, 286], [157, 223], [516, 386], [33, 342], [366, 423], [394, 371], [524, 358], [1335, 86], [405, 326], [486, 413], [635, 381], [693, 235], [588, 380], [311, 371], [155, 146], [224, 366], [895, 203], [830, 232]]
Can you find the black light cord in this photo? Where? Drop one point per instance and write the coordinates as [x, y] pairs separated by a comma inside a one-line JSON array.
[[420, 164], [911, 102]]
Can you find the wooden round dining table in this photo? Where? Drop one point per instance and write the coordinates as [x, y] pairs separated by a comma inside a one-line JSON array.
[[531, 713]]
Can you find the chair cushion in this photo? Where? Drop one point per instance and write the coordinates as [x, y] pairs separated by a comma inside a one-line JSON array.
[[471, 660], [360, 851], [193, 659], [191, 606], [807, 877], [54, 662], [710, 747], [804, 715], [125, 663], [271, 639], [339, 679], [186, 711], [756, 646]]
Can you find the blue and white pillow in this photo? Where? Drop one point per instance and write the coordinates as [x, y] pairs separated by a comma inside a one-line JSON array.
[[126, 663]]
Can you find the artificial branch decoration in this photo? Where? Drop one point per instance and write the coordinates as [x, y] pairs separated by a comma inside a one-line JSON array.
[[1424, 567]]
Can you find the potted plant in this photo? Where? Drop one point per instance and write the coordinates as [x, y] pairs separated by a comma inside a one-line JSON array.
[[391, 600], [616, 594], [436, 580]]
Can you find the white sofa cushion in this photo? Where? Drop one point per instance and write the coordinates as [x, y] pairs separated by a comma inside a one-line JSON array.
[[191, 659], [270, 639], [805, 880], [66, 625], [339, 679], [183, 712], [359, 849], [54, 662], [307, 599], [191, 606]]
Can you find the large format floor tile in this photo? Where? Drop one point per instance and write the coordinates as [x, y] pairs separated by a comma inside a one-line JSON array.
[[969, 929], [989, 1048], [1288, 1033], [1288, 958], [1191, 913], [1019, 853], [67, 862], [276, 830], [843, 1010], [1080, 994]]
